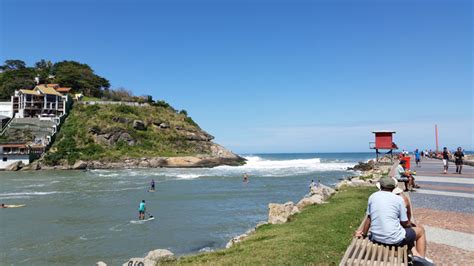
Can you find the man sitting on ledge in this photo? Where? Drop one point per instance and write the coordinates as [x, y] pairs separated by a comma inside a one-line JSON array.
[[403, 175], [388, 222]]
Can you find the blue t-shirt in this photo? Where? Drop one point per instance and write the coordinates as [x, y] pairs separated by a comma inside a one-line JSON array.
[[386, 210], [142, 207], [417, 155]]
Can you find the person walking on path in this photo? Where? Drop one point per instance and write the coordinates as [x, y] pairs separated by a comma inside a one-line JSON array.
[[446, 154], [388, 222], [141, 210], [417, 158], [458, 160]]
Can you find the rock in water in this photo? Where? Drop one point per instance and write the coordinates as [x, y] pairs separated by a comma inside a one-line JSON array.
[[15, 166], [80, 165], [101, 263]]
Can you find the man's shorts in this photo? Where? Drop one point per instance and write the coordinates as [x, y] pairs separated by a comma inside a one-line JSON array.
[[141, 212], [445, 162], [409, 239]]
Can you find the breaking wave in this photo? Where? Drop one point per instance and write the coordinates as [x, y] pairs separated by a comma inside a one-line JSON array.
[[258, 166]]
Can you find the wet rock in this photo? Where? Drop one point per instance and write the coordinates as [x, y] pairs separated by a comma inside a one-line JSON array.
[[15, 166], [79, 165]]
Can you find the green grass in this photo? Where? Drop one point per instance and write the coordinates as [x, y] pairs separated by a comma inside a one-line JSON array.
[[75, 141], [318, 235], [90, 99]]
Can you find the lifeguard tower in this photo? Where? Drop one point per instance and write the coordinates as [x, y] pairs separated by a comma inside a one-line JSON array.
[[383, 141]]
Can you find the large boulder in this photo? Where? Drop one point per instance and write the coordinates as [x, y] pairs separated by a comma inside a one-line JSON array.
[[139, 125], [127, 138], [306, 201], [79, 165], [279, 213], [325, 191], [153, 258], [159, 255], [15, 166], [157, 162]]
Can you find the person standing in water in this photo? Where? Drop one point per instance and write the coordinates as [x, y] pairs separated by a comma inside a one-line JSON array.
[[246, 178], [141, 210], [152, 185]]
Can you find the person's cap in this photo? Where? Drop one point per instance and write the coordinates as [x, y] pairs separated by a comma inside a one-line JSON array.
[[387, 183]]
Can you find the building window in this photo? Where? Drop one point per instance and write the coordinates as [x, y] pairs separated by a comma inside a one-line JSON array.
[[5, 159]]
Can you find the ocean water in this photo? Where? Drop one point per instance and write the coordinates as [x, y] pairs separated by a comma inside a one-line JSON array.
[[81, 217]]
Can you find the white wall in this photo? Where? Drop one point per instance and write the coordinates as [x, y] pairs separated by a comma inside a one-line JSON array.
[[6, 109], [25, 158]]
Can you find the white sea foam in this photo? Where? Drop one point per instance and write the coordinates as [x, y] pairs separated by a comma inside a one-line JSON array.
[[258, 166], [255, 166], [29, 193]]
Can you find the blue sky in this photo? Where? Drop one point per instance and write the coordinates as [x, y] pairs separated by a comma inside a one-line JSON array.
[[272, 76]]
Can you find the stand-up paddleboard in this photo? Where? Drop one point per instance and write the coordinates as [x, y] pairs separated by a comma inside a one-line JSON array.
[[142, 221], [14, 205], [151, 190]]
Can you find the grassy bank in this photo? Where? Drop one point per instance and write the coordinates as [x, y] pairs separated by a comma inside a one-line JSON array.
[[318, 235]]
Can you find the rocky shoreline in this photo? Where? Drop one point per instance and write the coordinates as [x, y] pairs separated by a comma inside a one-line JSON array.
[[219, 156], [281, 213]]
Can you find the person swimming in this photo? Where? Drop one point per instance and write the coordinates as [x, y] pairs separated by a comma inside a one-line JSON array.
[[246, 178]]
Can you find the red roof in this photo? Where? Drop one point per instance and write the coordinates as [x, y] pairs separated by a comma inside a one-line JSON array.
[[64, 90]]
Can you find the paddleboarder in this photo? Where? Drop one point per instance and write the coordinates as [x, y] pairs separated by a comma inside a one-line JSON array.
[[141, 210], [152, 185]]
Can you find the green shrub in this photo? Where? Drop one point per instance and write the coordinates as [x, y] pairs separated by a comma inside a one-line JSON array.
[[126, 109]]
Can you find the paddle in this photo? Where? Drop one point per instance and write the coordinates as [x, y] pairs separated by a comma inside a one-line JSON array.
[[149, 215]]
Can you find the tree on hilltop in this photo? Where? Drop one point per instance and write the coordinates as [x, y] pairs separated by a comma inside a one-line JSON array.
[[13, 65], [15, 76], [80, 77]]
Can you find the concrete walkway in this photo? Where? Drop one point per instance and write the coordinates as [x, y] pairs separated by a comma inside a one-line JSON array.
[[445, 206]]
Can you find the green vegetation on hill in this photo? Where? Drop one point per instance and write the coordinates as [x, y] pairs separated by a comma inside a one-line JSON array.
[[318, 235], [110, 133], [15, 75]]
